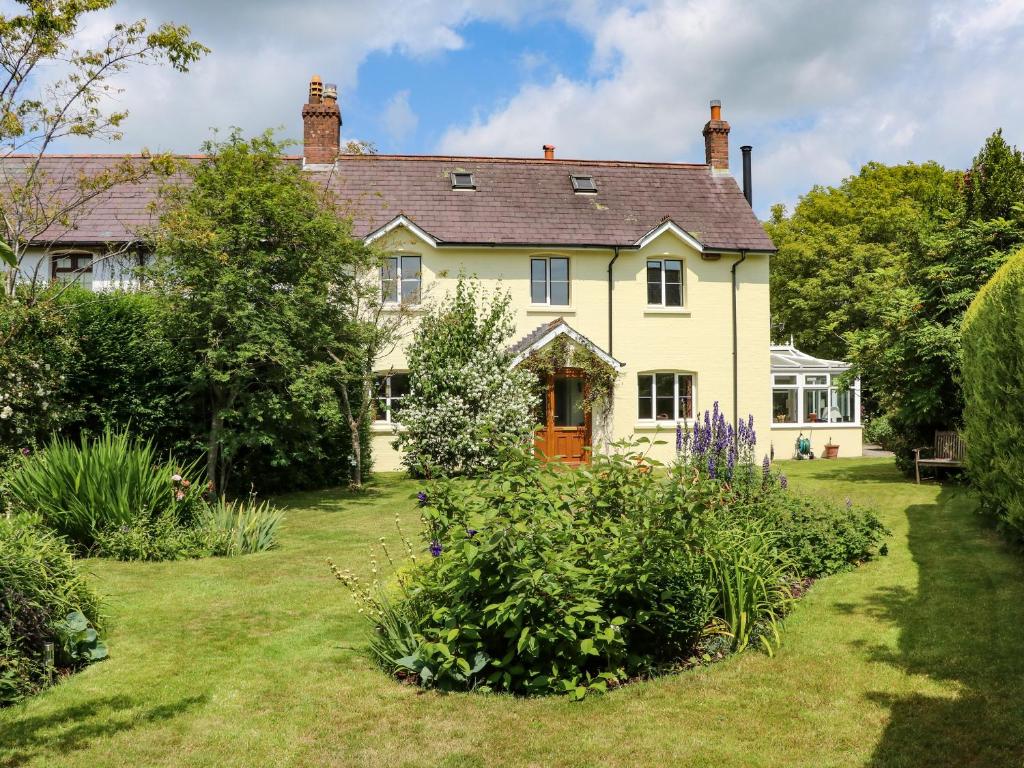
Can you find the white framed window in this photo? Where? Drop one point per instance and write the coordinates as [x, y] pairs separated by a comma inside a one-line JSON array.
[[401, 279], [549, 281], [72, 268], [665, 282], [390, 389], [813, 398], [665, 396]]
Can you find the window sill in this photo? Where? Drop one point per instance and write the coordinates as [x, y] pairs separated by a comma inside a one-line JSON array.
[[414, 309], [665, 426], [385, 428], [550, 309], [815, 425], [679, 311]]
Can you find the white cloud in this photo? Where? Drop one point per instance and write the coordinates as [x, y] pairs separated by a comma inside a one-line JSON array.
[[263, 52], [399, 118], [817, 87]]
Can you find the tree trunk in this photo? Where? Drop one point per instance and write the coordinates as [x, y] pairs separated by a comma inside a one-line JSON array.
[[357, 456], [213, 449]]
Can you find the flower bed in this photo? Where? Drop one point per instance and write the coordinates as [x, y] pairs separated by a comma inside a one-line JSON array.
[[538, 580]]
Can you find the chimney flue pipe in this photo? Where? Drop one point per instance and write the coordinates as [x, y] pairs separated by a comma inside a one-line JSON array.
[[748, 192]]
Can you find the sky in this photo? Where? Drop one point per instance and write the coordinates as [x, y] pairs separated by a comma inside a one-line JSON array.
[[818, 87]]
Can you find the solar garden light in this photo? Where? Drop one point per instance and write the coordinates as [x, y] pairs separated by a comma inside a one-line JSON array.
[[48, 661]]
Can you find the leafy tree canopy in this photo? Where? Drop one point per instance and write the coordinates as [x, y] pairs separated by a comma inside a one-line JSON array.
[[880, 270]]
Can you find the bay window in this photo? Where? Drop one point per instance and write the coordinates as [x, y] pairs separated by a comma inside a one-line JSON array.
[[812, 398], [664, 396]]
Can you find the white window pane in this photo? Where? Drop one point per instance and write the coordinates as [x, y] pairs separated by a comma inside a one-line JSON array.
[[645, 384], [538, 281], [664, 396], [784, 406], [685, 396], [816, 405], [654, 295]]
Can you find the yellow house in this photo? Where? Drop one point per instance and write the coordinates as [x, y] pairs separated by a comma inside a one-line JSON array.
[[660, 269]]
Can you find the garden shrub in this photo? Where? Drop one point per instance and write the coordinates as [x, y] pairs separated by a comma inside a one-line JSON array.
[[878, 431], [79, 489], [466, 402], [543, 580], [43, 598], [130, 372], [993, 386]]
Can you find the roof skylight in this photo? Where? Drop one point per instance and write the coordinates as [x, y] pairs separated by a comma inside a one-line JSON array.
[[583, 183], [461, 180]]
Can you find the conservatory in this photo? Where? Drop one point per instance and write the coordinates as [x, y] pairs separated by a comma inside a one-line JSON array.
[[811, 397]]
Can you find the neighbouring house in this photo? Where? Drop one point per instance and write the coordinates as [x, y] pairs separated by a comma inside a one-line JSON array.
[[811, 398], [659, 270]]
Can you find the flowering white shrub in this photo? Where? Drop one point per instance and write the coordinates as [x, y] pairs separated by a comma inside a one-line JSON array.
[[466, 404]]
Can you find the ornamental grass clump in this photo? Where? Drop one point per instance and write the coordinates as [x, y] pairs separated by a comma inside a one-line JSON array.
[[114, 496], [111, 481]]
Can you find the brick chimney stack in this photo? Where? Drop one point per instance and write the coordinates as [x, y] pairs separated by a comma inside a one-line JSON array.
[[549, 151], [716, 139], [321, 123]]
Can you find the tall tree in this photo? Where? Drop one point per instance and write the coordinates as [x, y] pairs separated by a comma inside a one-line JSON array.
[[38, 203], [257, 271], [833, 246], [881, 269]]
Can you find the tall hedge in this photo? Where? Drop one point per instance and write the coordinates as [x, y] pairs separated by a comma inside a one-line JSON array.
[[993, 386]]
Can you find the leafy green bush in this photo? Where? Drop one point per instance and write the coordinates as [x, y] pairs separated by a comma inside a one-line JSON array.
[[820, 538], [80, 489], [542, 580], [42, 596], [162, 537], [993, 356], [878, 431]]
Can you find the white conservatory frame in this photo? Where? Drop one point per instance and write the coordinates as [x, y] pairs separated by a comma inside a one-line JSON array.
[[796, 371]]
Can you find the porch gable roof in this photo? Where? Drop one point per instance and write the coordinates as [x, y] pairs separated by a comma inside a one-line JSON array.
[[544, 334]]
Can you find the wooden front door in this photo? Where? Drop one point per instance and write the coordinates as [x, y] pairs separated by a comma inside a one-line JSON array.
[[564, 431]]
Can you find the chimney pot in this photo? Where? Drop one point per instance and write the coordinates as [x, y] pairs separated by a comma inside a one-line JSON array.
[[716, 139], [321, 123], [549, 151]]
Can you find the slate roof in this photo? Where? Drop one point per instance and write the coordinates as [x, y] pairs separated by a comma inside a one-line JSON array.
[[517, 201]]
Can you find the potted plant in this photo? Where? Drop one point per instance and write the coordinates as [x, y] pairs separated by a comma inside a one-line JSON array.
[[831, 450]]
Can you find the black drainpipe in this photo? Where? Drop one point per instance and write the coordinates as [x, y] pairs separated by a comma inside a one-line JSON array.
[[610, 286], [735, 348]]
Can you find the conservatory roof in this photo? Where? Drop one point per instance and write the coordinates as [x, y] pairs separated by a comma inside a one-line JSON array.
[[786, 357]]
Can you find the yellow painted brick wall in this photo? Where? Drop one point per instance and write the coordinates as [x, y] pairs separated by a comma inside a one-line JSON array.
[[697, 338]]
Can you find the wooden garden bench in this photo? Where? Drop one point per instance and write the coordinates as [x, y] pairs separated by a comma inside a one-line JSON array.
[[948, 452]]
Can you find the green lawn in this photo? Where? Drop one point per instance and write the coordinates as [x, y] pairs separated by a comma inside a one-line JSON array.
[[914, 660]]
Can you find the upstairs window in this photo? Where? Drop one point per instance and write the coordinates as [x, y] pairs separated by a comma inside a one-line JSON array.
[[390, 390], [665, 396], [583, 183], [549, 281], [400, 280], [665, 282], [462, 180], [72, 268]]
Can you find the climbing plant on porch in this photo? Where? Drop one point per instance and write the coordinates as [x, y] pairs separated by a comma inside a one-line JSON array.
[[563, 352]]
